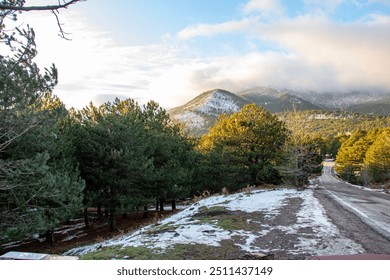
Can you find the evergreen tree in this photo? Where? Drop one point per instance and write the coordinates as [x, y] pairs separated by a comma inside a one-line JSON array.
[[377, 158], [350, 157], [171, 152], [112, 152], [39, 184], [250, 139]]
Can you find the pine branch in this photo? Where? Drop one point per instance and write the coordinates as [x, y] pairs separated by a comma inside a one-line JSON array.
[[39, 8]]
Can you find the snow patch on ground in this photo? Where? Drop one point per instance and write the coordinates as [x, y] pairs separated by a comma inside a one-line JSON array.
[[184, 228], [268, 202], [312, 215]]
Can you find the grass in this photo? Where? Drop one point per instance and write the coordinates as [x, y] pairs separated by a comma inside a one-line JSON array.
[[226, 219], [216, 215], [157, 229], [119, 252], [227, 250]]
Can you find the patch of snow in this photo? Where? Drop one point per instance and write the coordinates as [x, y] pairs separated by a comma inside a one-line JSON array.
[[191, 119], [15, 244], [77, 234], [327, 238], [267, 202], [218, 103], [184, 228], [382, 228], [69, 228]]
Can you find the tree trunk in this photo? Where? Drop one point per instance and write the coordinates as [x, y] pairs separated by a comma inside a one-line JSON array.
[[112, 220], [173, 204], [86, 219], [50, 237], [99, 210], [157, 204], [146, 212], [161, 205], [113, 203]]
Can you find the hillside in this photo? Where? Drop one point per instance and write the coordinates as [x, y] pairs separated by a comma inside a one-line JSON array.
[[326, 114], [354, 101], [381, 107], [201, 112], [276, 100], [332, 123]]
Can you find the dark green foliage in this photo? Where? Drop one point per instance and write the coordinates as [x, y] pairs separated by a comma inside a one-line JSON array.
[[39, 184], [247, 143], [111, 144], [171, 152], [217, 169], [130, 156]]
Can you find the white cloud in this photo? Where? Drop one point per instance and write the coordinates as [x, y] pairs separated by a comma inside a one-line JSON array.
[[264, 7], [356, 53], [315, 54], [311, 53], [93, 66], [209, 30], [328, 6]]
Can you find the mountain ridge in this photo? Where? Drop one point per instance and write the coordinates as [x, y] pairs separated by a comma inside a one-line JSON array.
[[277, 100], [201, 112]]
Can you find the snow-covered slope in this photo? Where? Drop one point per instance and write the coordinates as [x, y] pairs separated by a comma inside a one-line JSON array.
[[277, 100], [377, 103], [201, 112]]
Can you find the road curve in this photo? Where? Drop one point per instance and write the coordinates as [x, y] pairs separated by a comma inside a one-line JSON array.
[[363, 213]]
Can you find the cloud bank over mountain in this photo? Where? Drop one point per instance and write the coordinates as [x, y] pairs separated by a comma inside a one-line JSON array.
[[306, 45]]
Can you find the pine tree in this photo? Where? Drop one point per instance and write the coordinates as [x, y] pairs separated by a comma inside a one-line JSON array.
[[377, 158], [350, 157], [171, 151], [39, 184], [250, 139]]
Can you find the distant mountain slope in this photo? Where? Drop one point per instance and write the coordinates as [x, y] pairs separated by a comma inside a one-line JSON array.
[[354, 101], [276, 100], [328, 124], [201, 112], [377, 107]]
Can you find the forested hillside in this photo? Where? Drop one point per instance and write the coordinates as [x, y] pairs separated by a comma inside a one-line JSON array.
[[329, 124]]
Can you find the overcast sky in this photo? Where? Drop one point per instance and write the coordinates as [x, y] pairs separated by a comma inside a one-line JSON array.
[[172, 50]]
